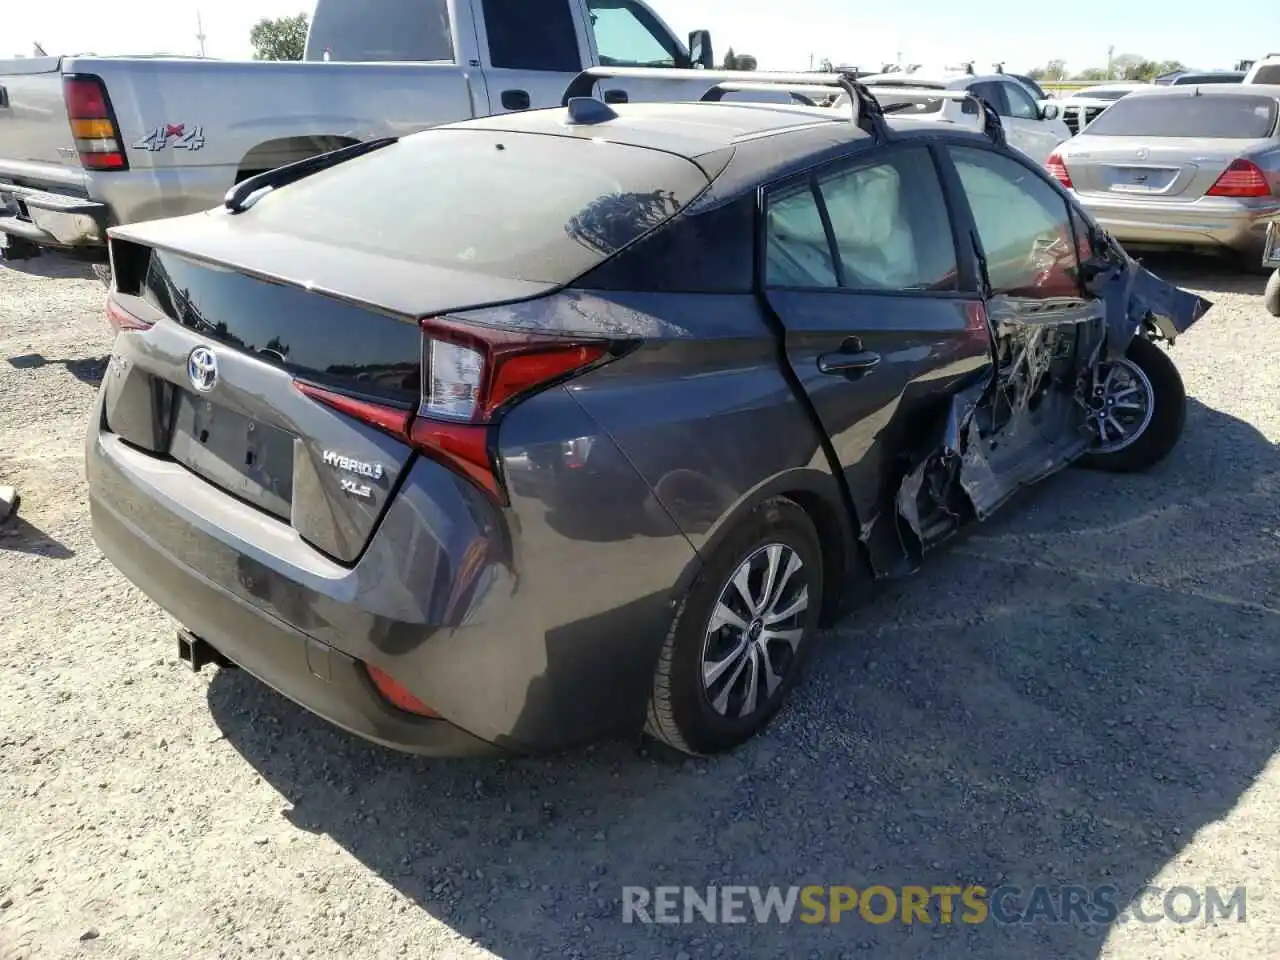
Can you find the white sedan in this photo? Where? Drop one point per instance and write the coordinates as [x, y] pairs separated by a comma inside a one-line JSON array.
[[1033, 127]]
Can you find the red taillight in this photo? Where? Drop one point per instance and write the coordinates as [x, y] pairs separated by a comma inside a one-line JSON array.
[[93, 124], [463, 446], [1243, 178], [471, 374], [1057, 168], [122, 320], [397, 694]]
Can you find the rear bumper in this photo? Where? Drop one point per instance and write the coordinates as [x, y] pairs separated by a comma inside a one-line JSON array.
[[1271, 252], [52, 219], [317, 676], [1221, 222]]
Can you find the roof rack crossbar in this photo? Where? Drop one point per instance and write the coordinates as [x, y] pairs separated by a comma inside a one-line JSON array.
[[583, 85], [867, 112]]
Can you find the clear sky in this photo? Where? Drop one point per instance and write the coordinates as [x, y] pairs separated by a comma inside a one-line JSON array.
[[781, 35]]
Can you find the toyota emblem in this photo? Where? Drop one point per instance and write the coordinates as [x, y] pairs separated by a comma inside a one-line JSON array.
[[1142, 153], [202, 368]]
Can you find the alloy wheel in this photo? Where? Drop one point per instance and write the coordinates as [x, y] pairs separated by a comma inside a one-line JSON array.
[[1120, 403], [754, 632]]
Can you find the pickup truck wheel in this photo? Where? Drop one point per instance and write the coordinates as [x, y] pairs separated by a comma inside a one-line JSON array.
[[1137, 409], [740, 634], [1271, 299]]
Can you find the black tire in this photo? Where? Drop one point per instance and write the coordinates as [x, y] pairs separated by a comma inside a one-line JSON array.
[[1168, 417], [1271, 298], [680, 713]]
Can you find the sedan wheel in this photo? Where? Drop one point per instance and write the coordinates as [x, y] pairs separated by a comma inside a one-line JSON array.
[[1137, 407], [755, 631], [741, 633], [1121, 403]]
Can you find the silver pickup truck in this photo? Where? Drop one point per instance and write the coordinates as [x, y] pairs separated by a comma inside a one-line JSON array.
[[90, 142]]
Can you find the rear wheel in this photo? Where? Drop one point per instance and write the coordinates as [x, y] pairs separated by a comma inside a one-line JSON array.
[[1271, 299], [741, 634], [1138, 407]]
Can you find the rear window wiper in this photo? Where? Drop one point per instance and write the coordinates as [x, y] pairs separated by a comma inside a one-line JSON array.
[[238, 197]]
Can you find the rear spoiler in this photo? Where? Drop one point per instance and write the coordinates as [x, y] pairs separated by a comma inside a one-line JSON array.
[[866, 112]]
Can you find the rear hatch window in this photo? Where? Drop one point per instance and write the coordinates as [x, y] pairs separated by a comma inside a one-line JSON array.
[[522, 206], [1231, 117]]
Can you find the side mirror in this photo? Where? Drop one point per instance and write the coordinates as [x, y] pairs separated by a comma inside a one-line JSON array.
[[700, 52], [1050, 111]]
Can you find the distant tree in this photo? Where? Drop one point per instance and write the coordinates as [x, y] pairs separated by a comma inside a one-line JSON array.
[[1038, 73], [1056, 70], [744, 61], [1092, 73], [1171, 66], [1144, 70], [826, 66], [730, 61], [283, 38]]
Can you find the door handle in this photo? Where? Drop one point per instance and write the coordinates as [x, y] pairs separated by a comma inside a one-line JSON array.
[[516, 100], [616, 96], [849, 364]]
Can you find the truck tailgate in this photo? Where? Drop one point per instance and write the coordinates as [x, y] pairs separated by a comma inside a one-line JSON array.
[[33, 117]]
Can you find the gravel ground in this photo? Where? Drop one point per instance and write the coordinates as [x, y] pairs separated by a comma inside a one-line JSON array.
[[1080, 692]]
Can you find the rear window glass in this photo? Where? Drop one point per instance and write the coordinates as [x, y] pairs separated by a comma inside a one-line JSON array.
[[517, 205], [381, 30], [1268, 74], [1228, 117], [1202, 78]]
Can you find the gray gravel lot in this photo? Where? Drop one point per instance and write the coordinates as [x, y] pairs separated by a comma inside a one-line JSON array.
[[1081, 692]]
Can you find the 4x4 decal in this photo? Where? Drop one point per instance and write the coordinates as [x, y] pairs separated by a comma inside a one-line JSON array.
[[176, 135]]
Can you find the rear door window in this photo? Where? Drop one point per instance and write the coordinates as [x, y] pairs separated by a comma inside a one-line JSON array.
[[381, 30], [516, 205], [993, 93], [532, 35], [797, 249], [890, 224], [1227, 117]]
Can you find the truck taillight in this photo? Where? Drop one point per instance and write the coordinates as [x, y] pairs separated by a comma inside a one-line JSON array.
[[93, 123], [1243, 178], [470, 376], [1057, 168]]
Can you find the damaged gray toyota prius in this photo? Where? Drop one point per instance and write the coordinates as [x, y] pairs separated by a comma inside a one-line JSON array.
[[540, 427]]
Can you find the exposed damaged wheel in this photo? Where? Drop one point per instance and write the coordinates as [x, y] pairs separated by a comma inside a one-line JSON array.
[[1271, 299], [740, 635], [1137, 409]]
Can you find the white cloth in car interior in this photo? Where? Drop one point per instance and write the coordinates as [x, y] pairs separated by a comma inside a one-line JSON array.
[[873, 235]]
